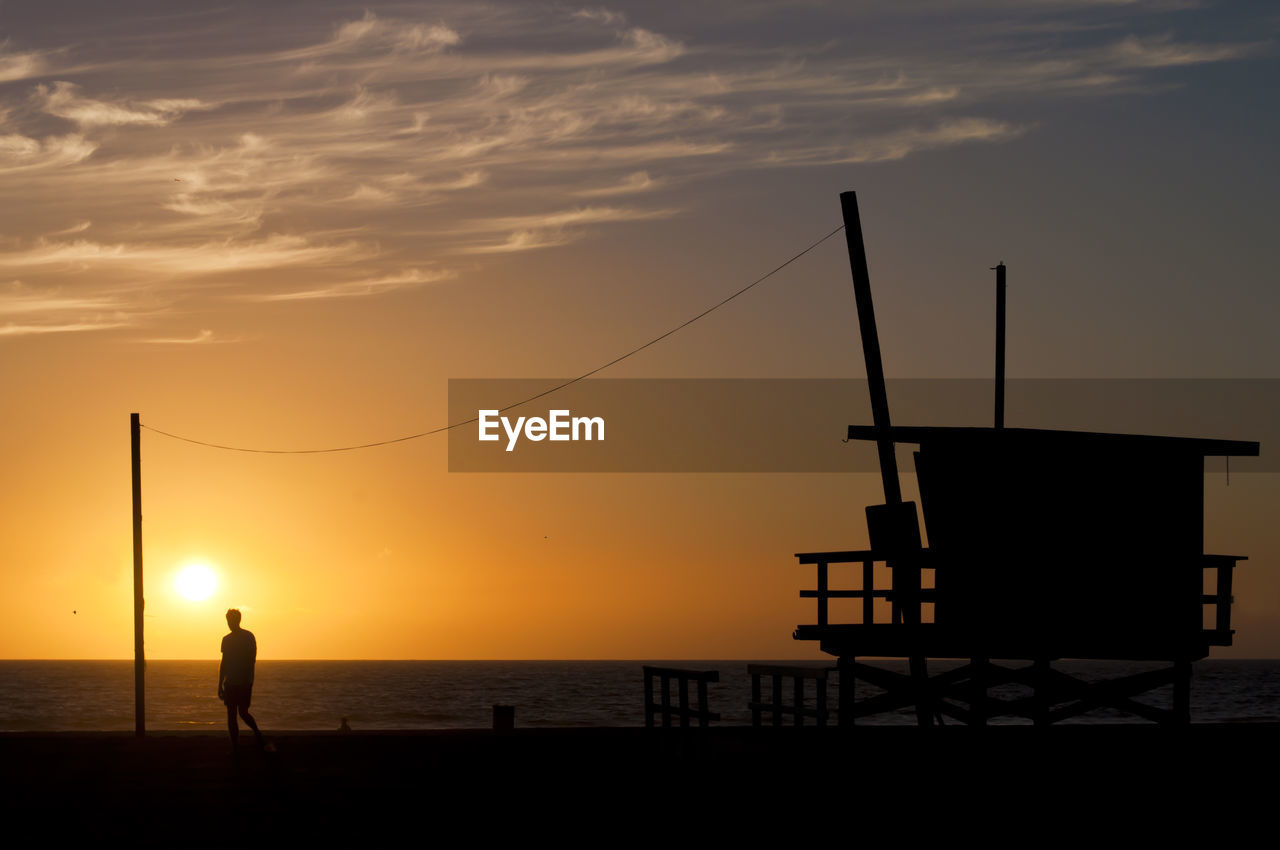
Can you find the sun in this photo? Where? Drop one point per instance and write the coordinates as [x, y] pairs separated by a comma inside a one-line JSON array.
[[196, 582]]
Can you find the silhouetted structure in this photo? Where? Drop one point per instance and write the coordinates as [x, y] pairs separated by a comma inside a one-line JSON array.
[[777, 706], [1043, 545], [684, 712], [139, 654]]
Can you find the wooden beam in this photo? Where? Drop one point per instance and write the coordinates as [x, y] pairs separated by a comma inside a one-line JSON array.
[[880, 703], [648, 699], [1181, 692], [139, 602], [788, 670], [1111, 693], [870, 346], [846, 556], [878, 676], [999, 419], [868, 590], [848, 691]]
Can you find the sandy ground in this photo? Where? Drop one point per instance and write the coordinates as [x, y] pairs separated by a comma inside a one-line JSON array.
[[607, 787]]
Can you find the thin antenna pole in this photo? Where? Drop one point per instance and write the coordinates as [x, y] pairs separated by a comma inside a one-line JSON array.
[[870, 346], [1000, 345], [139, 661]]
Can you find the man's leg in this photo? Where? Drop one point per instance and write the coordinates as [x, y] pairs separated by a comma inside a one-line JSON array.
[[250, 722], [232, 726]]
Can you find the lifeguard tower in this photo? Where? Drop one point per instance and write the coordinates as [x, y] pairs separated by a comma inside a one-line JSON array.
[[1043, 545]]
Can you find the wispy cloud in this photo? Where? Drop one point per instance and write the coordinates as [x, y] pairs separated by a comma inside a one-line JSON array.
[[20, 66], [18, 302], [24, 153], [349, 156], [75, 327], [608, 17], [64, 100], [393, 33], [204, 337], [546, 230], [1164, 52], [577, 216], [273, 251], [638, 181], [31, 311], [524, 240], [367, 286], [78, 227], [953, 131]]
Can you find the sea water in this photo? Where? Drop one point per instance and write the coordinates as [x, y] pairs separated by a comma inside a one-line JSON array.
[[317, 695]]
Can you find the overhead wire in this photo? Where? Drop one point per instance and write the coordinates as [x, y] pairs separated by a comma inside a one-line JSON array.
[[542, 394]]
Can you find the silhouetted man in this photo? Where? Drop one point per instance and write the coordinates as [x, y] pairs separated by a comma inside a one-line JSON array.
[[235, 676]]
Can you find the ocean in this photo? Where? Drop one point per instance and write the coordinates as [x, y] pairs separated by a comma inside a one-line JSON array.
[[379, 695]]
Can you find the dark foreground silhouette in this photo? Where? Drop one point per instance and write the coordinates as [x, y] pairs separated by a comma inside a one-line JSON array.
[[1042, 545], [595, 784], [235, 678]]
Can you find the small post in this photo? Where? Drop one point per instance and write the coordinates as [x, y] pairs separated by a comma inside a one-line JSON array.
[[1042, 701], [1182, 692], [978, 706], [848, 679], [918, 665], [869, 593], [1222, 610], [822, 595], [139, 660], [1000, 345], [504, 718]]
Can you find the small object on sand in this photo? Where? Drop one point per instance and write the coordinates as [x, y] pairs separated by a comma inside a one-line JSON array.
[[344, 727], [504, 718]]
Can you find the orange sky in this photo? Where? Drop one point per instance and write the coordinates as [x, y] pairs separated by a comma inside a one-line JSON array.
[[287, 230]]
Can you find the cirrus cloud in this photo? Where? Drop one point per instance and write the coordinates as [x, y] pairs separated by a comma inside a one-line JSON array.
[[279, 161]]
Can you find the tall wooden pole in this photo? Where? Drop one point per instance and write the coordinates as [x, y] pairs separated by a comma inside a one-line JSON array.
[[1000, 345], [906, 572], [870, 346], [139, 661]]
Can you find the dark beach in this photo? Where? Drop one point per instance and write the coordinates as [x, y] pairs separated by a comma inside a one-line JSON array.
[[184, 787]]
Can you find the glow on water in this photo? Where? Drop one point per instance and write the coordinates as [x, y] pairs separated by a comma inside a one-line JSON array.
[[316, 695]]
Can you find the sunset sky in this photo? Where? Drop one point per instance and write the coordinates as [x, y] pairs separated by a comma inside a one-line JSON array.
[[288, 225]]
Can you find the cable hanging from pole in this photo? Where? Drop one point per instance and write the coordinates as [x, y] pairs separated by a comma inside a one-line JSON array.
[[546, 392]]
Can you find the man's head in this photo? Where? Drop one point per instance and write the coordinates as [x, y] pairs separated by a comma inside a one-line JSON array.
[[233, 618]]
